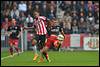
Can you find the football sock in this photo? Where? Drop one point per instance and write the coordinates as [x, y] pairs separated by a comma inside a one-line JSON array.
[[11, 50], [35, 49], [46, 55]]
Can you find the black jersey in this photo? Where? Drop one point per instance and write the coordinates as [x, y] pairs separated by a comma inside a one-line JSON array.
[[54, 30], [15, 31]]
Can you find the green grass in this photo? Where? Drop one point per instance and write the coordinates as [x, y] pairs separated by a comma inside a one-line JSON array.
[[67, 58]]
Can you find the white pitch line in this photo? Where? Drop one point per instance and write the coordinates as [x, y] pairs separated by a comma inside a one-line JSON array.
[[10, 56]]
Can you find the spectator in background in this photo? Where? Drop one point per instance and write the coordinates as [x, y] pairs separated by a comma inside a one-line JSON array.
[[96, 27], [5, 25], [14, 13], [30, 8], [51, 11], [90, 7], [5, 4], [2, 17], [6, 12], [96, 6], [90, 22], [83, 7], [14, 3], [22, 19], [67, 27], [53, 3], [74, 16], [67, 17], [96, 14], [37, 2], [22, 6], [37, 7], [44, 9], [29, 20], [82, 15], [82, 26], [74, 6], [65, 5], [75, 27], [90, 18]]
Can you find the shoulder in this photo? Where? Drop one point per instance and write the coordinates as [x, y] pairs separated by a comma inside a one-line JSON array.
[[42, 17]]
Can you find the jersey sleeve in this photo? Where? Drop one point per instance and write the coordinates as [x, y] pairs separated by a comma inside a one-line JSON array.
[[60, 28], [43, 18]]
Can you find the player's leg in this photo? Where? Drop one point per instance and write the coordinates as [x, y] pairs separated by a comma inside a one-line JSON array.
[[42, 39], [49, 42], [44, 52], [16, 41], [57, 44], [11, 46], [36, 54], [34, 42], [45, 49]]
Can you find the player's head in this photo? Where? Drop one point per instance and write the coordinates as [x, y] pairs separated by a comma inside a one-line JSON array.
[[49, 23], [36, 14], [53, 20], [13, 22]]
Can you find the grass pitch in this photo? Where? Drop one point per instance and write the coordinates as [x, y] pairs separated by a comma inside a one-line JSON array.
[[63, 58]]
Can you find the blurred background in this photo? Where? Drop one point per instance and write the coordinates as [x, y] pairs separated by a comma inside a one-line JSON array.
[[76, 17]]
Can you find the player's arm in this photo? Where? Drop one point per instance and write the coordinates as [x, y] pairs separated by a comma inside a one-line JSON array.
[[19, 34], [62, 32], [28, 27]]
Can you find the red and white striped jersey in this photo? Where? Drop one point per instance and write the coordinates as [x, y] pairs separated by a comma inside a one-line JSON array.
[[40, 24]]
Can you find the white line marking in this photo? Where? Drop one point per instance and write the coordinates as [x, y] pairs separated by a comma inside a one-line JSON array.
[[10, 56]]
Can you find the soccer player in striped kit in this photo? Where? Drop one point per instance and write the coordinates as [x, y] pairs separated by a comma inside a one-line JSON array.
[[39, 24]]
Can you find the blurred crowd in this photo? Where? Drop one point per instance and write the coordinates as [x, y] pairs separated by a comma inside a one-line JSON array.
[[77, 16]]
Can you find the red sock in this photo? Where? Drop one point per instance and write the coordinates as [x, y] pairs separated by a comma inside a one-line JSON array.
[[11, 50], [46, 55]]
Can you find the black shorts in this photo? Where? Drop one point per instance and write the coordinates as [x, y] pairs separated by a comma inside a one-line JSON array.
[[40, 41]]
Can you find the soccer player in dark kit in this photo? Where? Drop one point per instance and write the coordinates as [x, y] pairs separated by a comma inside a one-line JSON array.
[[14, 34], [55, 38]]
